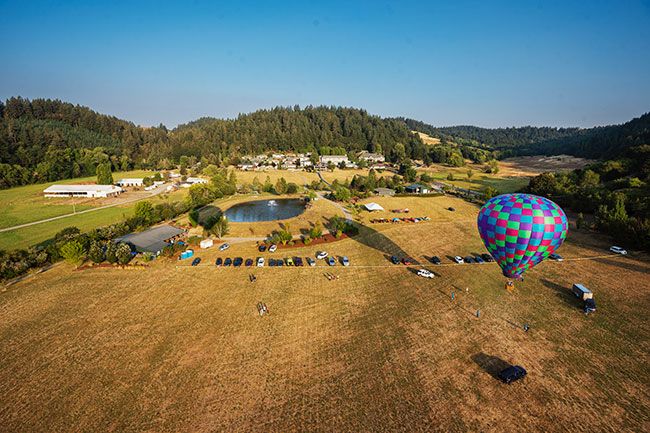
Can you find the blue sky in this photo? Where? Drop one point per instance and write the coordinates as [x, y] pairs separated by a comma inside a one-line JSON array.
[[485, 63]]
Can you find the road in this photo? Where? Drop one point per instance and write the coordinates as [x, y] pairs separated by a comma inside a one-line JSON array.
[[154, 192]]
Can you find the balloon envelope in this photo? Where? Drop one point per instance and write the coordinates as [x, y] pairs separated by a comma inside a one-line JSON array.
[[521, 230]]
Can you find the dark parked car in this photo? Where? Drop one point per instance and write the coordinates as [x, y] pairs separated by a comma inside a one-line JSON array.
[[271, 262], [227, 262], [196, 261], [298, 261], [238, 261], [469, 259], [512, 373], [435, 260], [394, 260], [590, 306], [279, 262], [261, 248], [249, 262], [488, 258], [479, 259], [219, 261]]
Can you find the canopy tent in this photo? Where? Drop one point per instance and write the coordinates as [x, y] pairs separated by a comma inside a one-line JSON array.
[[371, 207]]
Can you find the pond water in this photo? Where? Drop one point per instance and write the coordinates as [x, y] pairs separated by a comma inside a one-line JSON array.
[[265, 210]]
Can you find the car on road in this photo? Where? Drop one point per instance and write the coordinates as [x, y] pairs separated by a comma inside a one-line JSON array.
[[298, 261], [479, 259], [469, 259], [321, 255], [617, 250], [426, 273], [395, 260], [345, 261], [331, 261], [224, 247], [238, 261], [459, 260], [556, 257], [406, 261], [288, 261], [260, 261], [249, 262], [311, 262], [196, 261], [219, 261], [227, 262], [261, 248], [488, 258], [272, 248], [435, 260], [512, 374]]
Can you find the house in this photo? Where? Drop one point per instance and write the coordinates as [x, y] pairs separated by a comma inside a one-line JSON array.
[[333, 159], [89, 191], [384, 191], [372, 207], [371, 157], [152, 240], [131, 182], [195, 180], [417, 188]]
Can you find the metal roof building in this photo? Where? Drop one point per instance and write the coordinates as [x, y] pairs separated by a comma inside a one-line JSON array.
[[82, 191], [152, 240]]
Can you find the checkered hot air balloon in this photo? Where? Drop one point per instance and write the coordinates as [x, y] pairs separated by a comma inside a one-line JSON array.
[[521, 230]]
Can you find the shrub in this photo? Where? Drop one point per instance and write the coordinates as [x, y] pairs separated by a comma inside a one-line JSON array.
[[73, 252], [123, 253], [96, 252]]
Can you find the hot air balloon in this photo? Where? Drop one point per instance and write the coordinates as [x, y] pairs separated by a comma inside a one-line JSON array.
[[521, 230]]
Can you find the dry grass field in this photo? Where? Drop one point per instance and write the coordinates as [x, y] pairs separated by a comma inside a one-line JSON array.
[[179, 348], [534, 165]]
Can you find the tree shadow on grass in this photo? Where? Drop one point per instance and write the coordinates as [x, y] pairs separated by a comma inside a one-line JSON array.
[[562, 293], [372, 238], [624, 264], [491, 364]]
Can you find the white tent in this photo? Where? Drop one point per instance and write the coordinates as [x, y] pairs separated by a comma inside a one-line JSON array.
[[206, 243], [370, 207]]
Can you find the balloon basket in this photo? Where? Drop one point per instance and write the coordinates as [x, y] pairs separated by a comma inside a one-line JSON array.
[[510, 286]]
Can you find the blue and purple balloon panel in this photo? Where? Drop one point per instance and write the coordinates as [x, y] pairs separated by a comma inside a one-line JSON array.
[[521, 230]]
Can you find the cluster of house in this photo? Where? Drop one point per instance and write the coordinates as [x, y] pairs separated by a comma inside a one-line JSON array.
[[300, 161], [104, 191]]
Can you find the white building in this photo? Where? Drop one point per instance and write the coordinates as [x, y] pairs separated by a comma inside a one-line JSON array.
[[89, 191], [371, 157], [334, 159], [131, 182], [195, 180]]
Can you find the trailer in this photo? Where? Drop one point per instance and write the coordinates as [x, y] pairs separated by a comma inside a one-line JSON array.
[[581, 292], [206, 243]]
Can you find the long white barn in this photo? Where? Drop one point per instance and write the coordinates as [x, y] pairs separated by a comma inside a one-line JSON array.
[[90, 191]]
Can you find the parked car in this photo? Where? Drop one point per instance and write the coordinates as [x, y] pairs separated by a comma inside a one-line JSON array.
[[512, 374], [426, 273], [219, 261], [479, 259], [279, 262], [406, 261], [458, 259], [288, 261], [272, 262], [297, 261], [331, 261], [395, 260], [261, 248], [311, 262], [196, 261], [272, 248], [260, 261], [556, 257], [249, 262], [435, 260], [224, 247], [617, 250], [238, 261], [488, 258], [469, 259], [589, 306], [227, 262], [451, 209], [321, 255], [345, 261]]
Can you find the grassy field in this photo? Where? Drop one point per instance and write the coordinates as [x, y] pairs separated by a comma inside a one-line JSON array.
[[302, 177], [504, 182], [179, 348]]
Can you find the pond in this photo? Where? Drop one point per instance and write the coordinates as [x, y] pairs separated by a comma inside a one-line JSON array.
[[265, 210]]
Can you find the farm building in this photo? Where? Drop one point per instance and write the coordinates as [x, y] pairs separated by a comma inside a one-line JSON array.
[[195, 180], [131, 182], [89, 191], [384, 191], [152, 240], [416, 188], [371, 157], [371, 207]]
